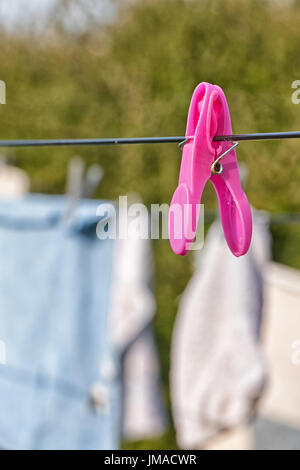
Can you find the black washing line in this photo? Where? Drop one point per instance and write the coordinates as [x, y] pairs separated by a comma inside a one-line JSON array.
[[275, 218], [145, 140]]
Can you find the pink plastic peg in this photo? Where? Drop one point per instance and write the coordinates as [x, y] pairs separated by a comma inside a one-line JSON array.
[[209, 116]]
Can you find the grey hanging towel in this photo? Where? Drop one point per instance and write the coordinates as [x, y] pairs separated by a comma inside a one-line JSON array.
[[217, 368]]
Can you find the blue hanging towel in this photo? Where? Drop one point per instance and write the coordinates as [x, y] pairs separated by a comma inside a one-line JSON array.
[[55, 282]]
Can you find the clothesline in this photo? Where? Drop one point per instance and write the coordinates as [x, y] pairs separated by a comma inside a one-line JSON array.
[[275, 218], [146, 140]]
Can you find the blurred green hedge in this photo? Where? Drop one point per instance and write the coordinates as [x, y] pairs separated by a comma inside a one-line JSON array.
[[135, 77]]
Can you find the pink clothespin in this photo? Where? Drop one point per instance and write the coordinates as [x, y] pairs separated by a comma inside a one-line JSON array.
[[209, 116]]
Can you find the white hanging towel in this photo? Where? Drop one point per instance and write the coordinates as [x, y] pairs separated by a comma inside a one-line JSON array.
[[132, 312], [217, 367], [14, 182]]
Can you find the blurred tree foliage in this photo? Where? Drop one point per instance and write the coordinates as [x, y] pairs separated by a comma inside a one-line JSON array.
[[134, 76]]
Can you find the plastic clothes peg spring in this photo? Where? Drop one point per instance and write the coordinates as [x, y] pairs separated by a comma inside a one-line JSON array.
[[209, 116]]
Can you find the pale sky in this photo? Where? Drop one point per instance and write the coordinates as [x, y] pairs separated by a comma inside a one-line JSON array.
[[23, 13], [17, 10]]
